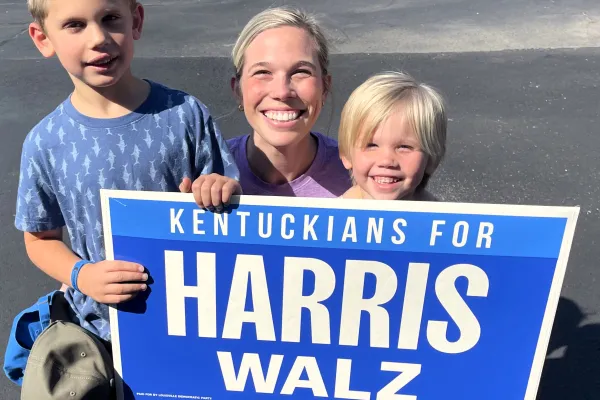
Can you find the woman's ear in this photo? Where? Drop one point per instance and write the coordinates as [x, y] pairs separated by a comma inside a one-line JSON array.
[[235, 88]]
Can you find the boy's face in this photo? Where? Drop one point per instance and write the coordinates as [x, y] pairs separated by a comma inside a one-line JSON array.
[[93, 39], [392, 164]]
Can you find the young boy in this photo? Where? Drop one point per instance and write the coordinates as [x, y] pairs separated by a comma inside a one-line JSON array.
[[392, 137], [114, 131]]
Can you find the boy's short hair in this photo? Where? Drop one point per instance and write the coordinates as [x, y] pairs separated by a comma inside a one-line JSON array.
[[39, 12], [378, 97]]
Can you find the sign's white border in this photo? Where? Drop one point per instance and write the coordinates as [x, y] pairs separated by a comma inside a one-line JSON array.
[[570, 213]]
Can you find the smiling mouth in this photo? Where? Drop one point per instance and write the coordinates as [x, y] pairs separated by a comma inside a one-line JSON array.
[[385, 180], [283, 116], [104, 62]]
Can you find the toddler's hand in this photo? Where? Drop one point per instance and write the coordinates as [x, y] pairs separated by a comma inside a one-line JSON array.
[[212, 191], [112, 282]]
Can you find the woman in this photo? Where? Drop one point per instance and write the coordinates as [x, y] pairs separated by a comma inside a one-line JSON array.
[[281, 59]]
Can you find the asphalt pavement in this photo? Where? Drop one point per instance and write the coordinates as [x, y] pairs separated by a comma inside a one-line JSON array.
[[521, 79]]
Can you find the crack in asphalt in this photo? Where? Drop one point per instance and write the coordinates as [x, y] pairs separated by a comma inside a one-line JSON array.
[[3, 42]]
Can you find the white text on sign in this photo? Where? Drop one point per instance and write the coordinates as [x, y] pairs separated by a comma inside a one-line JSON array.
[[249, 272], [288, 227], [249, 277]]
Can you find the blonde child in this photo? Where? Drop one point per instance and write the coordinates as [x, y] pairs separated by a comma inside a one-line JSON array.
[[392, 137]]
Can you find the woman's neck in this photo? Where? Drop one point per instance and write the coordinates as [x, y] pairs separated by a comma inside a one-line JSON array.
[[280, 165]]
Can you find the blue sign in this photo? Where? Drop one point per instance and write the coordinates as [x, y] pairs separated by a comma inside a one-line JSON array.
[[334, 298]]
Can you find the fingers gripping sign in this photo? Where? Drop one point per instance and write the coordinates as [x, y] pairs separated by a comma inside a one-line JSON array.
[[186, 185], [112, 282], [211, 191]]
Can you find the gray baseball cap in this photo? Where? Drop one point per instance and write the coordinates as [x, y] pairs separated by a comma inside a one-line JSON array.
[[68, 363]]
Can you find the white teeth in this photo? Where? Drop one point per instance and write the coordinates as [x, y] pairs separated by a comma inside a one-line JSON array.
[[105, 61], [282, 115], [385, 179]]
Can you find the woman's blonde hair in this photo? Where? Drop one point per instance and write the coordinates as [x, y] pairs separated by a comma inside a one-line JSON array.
[[381, 95], [39, 9], [274, 18]]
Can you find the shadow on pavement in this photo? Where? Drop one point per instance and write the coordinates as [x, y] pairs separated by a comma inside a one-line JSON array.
[[572, 367]]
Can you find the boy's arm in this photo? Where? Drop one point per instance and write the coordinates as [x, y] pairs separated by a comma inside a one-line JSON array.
[[50, 254], [39, 216], [222, 161], [104, 281], [219, 175]]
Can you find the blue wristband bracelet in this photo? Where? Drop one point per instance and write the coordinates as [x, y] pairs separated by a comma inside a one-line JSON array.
[[75, 273]]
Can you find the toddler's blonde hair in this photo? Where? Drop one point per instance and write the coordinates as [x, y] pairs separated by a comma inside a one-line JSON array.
[[382, 94]]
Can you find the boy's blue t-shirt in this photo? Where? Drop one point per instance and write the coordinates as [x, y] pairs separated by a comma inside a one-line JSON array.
[[68, 157]]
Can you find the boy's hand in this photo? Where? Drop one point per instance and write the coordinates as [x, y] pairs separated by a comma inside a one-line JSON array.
[[112, 282], [211, 191]]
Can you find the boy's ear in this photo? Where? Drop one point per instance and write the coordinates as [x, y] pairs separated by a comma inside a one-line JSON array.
[[41, 40], [138, 21]]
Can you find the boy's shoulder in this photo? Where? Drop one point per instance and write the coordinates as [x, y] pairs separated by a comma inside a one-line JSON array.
[[54, 119], [57, 126], [171, 97]]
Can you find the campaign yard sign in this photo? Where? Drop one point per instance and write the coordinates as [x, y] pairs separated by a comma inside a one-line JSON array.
[[333, 298]]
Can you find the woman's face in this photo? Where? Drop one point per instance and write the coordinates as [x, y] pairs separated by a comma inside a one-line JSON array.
[[282, 86]]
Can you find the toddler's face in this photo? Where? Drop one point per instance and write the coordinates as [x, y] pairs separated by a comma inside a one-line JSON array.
[[93, 39], [392, 164]]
